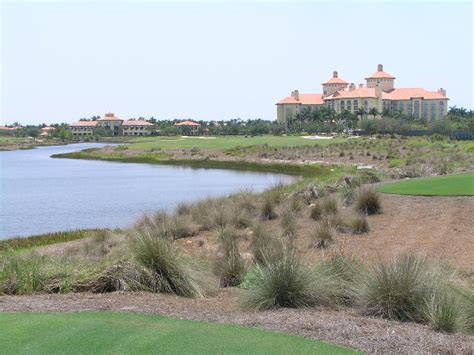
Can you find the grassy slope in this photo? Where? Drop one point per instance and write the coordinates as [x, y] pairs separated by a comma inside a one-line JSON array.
[[455, 185], [220, 143], [224, 142], [88, 333]]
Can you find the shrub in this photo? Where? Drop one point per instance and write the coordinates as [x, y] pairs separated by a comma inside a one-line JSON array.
[[286, 282], [316, 212], [264, 247], [359, 224], [230, 266], [268, 209], [397, 290], [368, 201], [173, 273], [21, 275], [323, 235]]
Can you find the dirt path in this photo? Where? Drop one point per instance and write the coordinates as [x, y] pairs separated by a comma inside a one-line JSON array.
[[342, 327]]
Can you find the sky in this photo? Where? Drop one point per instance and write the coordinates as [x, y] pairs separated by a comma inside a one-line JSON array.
[[218, 60]]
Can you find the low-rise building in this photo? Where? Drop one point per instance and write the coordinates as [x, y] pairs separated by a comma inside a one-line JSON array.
[[116, 126], [136, 128], [83, 128], [378, 94]]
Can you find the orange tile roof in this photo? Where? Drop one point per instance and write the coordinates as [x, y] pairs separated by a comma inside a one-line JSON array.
[[187, 123], [109, 117], [381, 75], [84, 124], [336, 80], [136, 123], [408, 93], [305, 99], [355, 93]]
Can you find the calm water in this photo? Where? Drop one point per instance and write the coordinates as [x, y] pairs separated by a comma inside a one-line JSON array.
[[39, 194]]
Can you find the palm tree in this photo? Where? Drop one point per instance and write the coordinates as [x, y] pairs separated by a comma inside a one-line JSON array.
[[373, 111], [360, 112]]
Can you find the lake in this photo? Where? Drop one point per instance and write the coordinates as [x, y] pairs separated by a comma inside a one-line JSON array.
[[39, 194]]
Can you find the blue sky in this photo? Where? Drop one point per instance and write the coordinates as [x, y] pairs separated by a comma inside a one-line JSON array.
[[218, 60]]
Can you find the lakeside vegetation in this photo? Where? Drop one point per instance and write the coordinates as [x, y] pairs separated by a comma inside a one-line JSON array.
[[88, 333], [151, 257]]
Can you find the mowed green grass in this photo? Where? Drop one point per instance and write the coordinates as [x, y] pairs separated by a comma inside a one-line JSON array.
[[119, 333], [455, 185], [225, 142]]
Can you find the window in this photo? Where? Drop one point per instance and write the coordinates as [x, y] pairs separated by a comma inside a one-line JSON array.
[[356, 104], [342, 105], [348, 105]]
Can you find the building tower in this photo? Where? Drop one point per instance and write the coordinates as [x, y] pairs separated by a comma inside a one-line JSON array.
[[380, 78], [334, 84]]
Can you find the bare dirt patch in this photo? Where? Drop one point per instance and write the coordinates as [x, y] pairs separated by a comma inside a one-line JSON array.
[[344, 327]]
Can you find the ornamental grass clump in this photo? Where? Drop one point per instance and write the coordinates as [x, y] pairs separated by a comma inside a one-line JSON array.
[[229, 266], [171, 271], [359, 224], [289, 224], [264, 246], [268, 209], [329, 205], [316, 212], [399, 289], [323, 235], [368, 202], [444, 311], [286, 282]]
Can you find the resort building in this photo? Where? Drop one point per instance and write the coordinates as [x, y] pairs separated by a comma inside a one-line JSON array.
[[188, 128], [117, 126], [379, 93], [136, 128], [83, 128]]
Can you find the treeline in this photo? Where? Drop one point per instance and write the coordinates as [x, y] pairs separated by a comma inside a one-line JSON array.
[[326, 120]]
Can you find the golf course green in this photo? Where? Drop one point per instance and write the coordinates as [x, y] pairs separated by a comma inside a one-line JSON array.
[[454, 185], [112, 333]]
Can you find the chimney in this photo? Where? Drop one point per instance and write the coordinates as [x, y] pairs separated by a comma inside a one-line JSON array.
[[352, 87], [110, 114], [334, 74], [442, 91], [361, 85], [378, 90], [380, 67], [295, 95]]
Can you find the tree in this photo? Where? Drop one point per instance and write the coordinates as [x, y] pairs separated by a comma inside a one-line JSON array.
[[373, 111]]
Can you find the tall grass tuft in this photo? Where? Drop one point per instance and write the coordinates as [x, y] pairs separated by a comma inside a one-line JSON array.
[[230, 266], [268, 209], [329, 205], [265, 247], [359, 224], [444, 311], [397, 290], [173, 273], [316, 212], [323, 235], [368, 201], [286, 282], [289, 223]]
